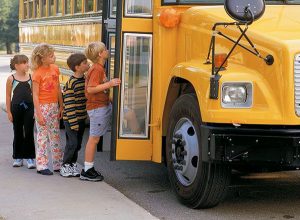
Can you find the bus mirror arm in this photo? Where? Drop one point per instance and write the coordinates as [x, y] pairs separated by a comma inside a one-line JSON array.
[[269, 59], [215, 77]]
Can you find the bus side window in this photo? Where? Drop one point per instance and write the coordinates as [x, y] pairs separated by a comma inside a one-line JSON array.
[[30, 7], [99, 5], [37, 8], [59, 7], [77, 6], [89, 6], [67, 7], [25, 12], [44, 8], [51, 8]]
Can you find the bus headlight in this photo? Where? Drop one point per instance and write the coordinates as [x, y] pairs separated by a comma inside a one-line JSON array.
[[236, 95]]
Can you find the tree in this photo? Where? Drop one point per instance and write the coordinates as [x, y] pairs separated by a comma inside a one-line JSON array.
[[9, 17]]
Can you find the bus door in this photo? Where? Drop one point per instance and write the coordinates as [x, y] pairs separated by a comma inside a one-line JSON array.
[[109, 32], [131, 131]]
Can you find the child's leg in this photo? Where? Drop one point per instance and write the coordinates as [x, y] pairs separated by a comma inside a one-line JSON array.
[[99, 124], [91, 148], [71, 144], [41, 149], [18, 123], [29, 151], [79, 139], [54, 136], [94, 137]]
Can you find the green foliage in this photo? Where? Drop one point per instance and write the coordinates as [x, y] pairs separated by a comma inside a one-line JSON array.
[[9, 18]]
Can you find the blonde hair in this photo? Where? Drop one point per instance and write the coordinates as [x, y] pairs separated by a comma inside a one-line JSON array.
[[38, 53], [93, 49]]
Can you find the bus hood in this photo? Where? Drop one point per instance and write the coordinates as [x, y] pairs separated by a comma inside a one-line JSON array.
[[279, 22], [276, 33]]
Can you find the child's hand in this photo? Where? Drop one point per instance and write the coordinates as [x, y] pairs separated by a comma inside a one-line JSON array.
[[114, 82], [40, 119], [10, 117]]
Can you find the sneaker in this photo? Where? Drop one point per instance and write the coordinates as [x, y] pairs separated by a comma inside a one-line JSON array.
[[18, 163], [75, 170], [66, 170], [91, 175], [46, 172], [30, 163]]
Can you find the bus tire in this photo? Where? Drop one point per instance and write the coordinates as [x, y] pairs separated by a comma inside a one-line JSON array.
[[197, 184]]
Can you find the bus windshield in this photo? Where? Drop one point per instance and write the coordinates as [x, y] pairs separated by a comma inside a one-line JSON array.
[[222, 1]]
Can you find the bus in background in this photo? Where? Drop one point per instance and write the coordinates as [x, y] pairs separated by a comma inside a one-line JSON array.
[[67, 25], [203, 90]]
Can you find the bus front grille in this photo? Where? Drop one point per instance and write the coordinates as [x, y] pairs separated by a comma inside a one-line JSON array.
[[297, 83]]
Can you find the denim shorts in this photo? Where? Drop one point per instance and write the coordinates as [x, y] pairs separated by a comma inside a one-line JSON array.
[[100, 120]]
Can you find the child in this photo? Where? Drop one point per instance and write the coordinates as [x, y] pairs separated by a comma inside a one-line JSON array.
[[74, 114], [20, 111], [98, 105], [46, 96]]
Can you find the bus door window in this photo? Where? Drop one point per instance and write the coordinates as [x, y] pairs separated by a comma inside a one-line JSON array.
[[140, 8], [77, 6], [113, 9], [111, 61], [136, 81]]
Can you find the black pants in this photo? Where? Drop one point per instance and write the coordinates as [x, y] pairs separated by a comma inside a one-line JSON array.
[[23, 122], [73, 142]]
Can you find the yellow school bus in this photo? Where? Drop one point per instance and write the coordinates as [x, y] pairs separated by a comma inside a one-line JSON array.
[[207, 85], [67, 25]]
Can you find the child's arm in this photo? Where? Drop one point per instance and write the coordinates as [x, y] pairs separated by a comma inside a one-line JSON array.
[[104, 86], [60, 102], [36, 102], [8, 98]]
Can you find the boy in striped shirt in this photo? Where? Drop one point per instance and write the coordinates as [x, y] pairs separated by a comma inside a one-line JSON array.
[[74, 113]]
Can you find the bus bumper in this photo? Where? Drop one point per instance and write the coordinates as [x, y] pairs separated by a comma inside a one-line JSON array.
[[253, 145]]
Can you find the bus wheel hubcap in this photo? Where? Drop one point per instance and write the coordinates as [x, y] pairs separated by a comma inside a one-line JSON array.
[[185, 151]]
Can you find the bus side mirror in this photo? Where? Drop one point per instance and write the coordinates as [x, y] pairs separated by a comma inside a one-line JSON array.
[[245, 11]]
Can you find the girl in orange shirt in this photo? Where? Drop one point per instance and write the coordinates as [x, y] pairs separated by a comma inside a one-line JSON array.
[[47, 99]]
